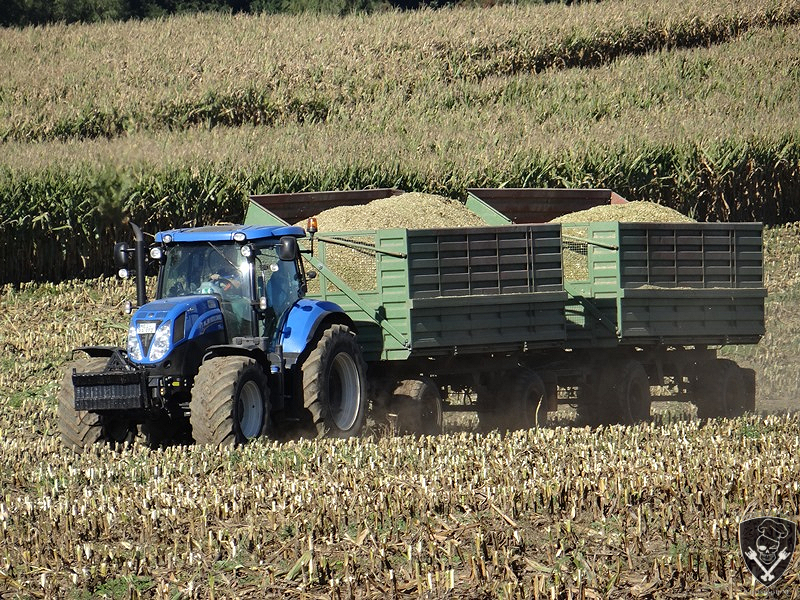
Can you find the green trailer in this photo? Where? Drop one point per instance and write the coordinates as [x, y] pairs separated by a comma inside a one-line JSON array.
[[650, 283], [521, 313]]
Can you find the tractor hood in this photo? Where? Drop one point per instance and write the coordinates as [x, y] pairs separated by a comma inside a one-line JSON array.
[[159, 326]]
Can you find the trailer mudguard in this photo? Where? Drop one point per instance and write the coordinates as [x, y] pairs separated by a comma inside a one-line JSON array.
[[302, 323]]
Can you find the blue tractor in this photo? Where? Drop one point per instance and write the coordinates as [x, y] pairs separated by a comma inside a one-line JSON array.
[[228, 351]]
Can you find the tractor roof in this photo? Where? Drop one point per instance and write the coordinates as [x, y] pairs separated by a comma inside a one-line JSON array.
[[223, 233]]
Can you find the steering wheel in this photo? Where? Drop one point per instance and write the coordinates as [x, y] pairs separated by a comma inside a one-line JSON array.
[[210, 287], [219, 285]]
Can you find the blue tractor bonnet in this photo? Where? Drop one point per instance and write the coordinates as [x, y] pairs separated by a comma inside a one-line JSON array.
[[184, 318], [224, 233]]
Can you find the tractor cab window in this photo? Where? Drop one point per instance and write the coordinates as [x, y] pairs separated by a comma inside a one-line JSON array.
[[204, 268], [277, 281], [216, 268]]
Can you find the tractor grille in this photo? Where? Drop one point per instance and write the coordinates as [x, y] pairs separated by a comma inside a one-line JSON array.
[[113, 390]]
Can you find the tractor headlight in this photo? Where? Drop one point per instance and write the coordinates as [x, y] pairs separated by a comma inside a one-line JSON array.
[[134, 349], [161, 342]]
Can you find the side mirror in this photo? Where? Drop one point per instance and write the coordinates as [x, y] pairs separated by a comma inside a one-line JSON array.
[[121, 251], [288, 249]]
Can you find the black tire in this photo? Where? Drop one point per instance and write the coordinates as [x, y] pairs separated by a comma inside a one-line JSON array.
[[81, 429], [621, 395], [721, 390], [418, 406], [520, 404], [628, 397], [527, 397], [230, 402], [334, 384]]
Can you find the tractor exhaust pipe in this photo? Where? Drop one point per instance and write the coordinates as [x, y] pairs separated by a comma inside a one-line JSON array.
[[122, 258], [141, 256]]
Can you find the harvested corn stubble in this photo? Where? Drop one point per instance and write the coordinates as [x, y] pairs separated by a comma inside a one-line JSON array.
[[412, 210]]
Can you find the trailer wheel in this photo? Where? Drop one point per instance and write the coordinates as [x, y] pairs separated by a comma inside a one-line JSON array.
[[720, 390], [527, 397], [334, 384], [80, 429], [418, 406], [520, 404], [621, 395], [230, 402], [631, 394]]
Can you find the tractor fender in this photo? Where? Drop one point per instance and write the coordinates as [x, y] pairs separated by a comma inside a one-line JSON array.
[[303, 321], [233, 350]]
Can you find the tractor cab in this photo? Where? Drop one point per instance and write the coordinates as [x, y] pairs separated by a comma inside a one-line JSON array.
[[215, 285]]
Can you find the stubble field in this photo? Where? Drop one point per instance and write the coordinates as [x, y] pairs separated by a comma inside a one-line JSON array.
[[650, 511]]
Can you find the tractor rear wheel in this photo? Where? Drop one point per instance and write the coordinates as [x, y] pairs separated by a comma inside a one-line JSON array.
[[334, 384], [418, 406], [230, 402], [81, 429]]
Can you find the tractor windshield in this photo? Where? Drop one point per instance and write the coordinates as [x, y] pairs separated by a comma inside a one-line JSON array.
[[216, 268], [205, 268]]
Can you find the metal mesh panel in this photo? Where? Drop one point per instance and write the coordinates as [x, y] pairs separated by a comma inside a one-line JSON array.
[[484, 261], [575, 253], [356, 266]]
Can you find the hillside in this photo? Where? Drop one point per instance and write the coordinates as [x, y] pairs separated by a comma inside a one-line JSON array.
[[175, 121]]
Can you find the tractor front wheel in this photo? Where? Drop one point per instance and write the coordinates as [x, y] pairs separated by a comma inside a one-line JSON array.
[[81, 429], [230, 402]]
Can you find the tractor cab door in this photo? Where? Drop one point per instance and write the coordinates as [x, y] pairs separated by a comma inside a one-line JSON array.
[[277, 281]]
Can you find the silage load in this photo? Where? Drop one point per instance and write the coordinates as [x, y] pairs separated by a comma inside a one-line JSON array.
[[574, 256], [412, 210], [630, 212]]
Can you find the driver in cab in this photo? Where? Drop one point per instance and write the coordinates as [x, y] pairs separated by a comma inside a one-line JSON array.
[[224, 278]]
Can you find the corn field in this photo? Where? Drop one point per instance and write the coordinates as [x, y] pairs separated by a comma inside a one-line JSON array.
[[176, 121], [107, 80]]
